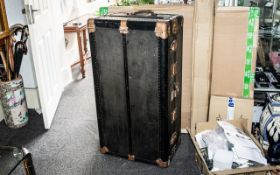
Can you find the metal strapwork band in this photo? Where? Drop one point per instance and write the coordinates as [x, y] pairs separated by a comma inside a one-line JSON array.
[[124, 42]]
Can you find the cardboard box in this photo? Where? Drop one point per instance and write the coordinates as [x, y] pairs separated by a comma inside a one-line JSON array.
[[187, 11], [241, 124], [229, 51], [201, 60], [228, 108]]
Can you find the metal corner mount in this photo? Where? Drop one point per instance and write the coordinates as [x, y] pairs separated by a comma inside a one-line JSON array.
[[104, 150], [161, 30], [123, 27], [91, 26], [130, 157], [162, 164]]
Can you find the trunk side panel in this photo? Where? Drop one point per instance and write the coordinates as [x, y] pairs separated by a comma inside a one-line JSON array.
[[179, 75], [113, 113], [142, 54]]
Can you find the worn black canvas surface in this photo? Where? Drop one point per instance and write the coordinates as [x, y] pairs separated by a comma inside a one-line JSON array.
[[137, 65]]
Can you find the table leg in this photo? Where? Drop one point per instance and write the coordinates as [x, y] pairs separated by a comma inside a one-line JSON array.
[[85, 40], [28, 165], [82, 63]]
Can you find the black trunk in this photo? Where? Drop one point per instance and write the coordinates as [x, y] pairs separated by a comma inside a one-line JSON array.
[[137, 65]]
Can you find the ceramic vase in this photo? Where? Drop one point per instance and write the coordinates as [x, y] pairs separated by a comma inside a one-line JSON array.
[[13, 101]]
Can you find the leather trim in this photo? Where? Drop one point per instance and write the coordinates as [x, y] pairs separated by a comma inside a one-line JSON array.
[[112, 24], [163, 98], [97, 87], [175, 49], [141, 25]]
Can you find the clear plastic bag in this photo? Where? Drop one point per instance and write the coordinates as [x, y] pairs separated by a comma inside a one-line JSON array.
[[214, 140]]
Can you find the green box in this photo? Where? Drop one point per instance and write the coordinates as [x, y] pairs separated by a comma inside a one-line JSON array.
[[103, 11]]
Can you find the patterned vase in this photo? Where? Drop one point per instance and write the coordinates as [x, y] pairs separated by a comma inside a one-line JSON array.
[[270, 129], [270, 122], [13, 101]]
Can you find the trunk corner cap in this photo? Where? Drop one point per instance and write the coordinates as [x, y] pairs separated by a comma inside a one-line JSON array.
[[104, 150], [123, 27], [162, 29], [131, 157], [91, 26], [162, 164]]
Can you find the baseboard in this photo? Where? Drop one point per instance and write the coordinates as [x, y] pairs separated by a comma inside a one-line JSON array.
[[184, 131], [32, 98], [66, 75]]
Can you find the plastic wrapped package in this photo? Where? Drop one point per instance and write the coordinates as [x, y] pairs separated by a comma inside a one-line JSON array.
[[228, 147], [215, 140]]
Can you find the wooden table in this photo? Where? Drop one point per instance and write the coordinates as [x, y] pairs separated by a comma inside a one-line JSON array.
[[79, 26]]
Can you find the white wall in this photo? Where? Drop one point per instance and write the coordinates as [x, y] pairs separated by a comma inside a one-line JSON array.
[[73, 9], [13, 9], [81, 7]]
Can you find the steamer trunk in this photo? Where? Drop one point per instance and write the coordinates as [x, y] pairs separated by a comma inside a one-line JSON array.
[[137, 65]]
